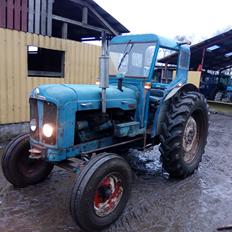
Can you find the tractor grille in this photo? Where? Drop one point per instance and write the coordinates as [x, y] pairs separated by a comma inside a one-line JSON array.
[[50, 117], [34, 115], [44, 113]]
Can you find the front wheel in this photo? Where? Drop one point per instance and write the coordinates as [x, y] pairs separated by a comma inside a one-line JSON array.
[[101, 192], [184, 134], [18, 168]]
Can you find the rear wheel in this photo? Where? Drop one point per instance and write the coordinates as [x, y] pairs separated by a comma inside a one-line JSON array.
[[184, 134], [101, 192], [18, 168]]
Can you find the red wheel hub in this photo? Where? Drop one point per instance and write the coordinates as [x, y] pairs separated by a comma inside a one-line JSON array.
[[108, 195]]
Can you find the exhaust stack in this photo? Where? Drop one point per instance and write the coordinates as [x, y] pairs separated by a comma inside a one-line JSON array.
[[104, 71]]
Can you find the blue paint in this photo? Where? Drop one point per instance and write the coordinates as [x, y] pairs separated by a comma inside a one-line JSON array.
[[70, 99], [129, 129], [146, 38], [229, 89]]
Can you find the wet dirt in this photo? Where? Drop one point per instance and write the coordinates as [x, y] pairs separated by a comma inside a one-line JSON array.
[[201, 202]]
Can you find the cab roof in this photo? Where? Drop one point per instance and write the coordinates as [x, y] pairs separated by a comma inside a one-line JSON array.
[[146, 38]]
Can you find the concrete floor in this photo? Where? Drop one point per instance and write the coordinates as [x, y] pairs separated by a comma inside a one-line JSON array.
[[201, 202]]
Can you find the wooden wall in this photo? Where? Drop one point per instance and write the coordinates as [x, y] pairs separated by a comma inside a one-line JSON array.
[[34, 16], [40, 16], [14, 14], [81, 66]]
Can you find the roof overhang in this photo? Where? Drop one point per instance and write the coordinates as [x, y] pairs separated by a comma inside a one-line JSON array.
[[216, 53], [85, 19]]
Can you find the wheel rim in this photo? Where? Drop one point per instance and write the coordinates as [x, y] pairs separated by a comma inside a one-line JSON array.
[[108, 195], [190, 140], [29, 167]]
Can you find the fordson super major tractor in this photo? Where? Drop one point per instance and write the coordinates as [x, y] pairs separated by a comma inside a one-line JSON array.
[[88, 129]]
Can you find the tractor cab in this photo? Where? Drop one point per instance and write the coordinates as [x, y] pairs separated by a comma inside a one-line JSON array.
[[136, 58]]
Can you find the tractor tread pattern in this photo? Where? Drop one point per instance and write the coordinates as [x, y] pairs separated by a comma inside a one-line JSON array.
[[172, 131]]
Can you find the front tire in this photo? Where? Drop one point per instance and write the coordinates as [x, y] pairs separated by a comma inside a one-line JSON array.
[[184, 134], [101, 192], [18, 168]]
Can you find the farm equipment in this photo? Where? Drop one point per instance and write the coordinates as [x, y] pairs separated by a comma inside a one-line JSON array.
[[87, 129], [216, 87]]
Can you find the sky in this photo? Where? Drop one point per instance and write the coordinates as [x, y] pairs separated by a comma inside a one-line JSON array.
[[196, 19]]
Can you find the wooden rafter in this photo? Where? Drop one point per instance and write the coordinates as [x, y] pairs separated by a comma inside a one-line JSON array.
[[77, 23]]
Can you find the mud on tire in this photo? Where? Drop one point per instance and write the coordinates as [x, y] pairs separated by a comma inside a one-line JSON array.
[[184, 134]]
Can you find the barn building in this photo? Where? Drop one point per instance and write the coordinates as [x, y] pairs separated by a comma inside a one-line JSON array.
[[41, 41]]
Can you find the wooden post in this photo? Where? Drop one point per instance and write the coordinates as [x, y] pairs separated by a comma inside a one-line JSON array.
[[85, 15], [64, 30], [17, 18], [43, 17], [31, 16], [49, 17], [37, 16], [2, 13], [10, 15], [24, 16]]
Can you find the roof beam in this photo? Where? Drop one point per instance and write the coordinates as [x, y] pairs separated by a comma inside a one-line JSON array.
[[211, 41], [80, 2], [228, 67], [218, 66], [102, 20], [84, 3], [77, 23]]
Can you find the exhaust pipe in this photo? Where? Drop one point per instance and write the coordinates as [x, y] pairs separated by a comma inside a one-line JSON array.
[[104, 71]]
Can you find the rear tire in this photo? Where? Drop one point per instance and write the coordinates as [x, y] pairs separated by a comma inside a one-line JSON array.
[[184, 134], [101, 192], [18, 168]]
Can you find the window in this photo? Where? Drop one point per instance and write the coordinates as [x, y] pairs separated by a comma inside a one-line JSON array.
[[44, 62], [184, 60], [137, 59], [165, 69], [131, 59]]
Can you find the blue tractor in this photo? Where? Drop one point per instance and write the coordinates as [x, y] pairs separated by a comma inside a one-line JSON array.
[[89, 128], [229, 90], [216, 87], [226, 95]]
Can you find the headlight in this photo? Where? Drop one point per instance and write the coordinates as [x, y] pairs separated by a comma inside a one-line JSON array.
[[33, 125], [48, 130]]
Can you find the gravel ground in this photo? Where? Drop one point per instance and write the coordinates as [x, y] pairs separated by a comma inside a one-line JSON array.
[[201, 202]]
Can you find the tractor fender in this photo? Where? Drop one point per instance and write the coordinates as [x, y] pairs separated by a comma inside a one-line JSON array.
[[183, 88]]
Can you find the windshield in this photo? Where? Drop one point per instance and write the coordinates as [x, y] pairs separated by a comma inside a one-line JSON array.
[[131, 59]]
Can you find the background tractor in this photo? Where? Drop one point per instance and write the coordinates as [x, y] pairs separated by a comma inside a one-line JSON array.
[[89, 128], [216, 87]]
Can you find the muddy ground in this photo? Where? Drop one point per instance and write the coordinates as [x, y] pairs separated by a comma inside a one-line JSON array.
[[201, 202]]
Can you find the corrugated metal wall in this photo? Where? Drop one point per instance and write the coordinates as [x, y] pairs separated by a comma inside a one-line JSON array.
[[81, 66]]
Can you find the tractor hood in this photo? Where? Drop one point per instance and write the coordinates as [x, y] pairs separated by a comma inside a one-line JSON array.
[[86, 97]]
